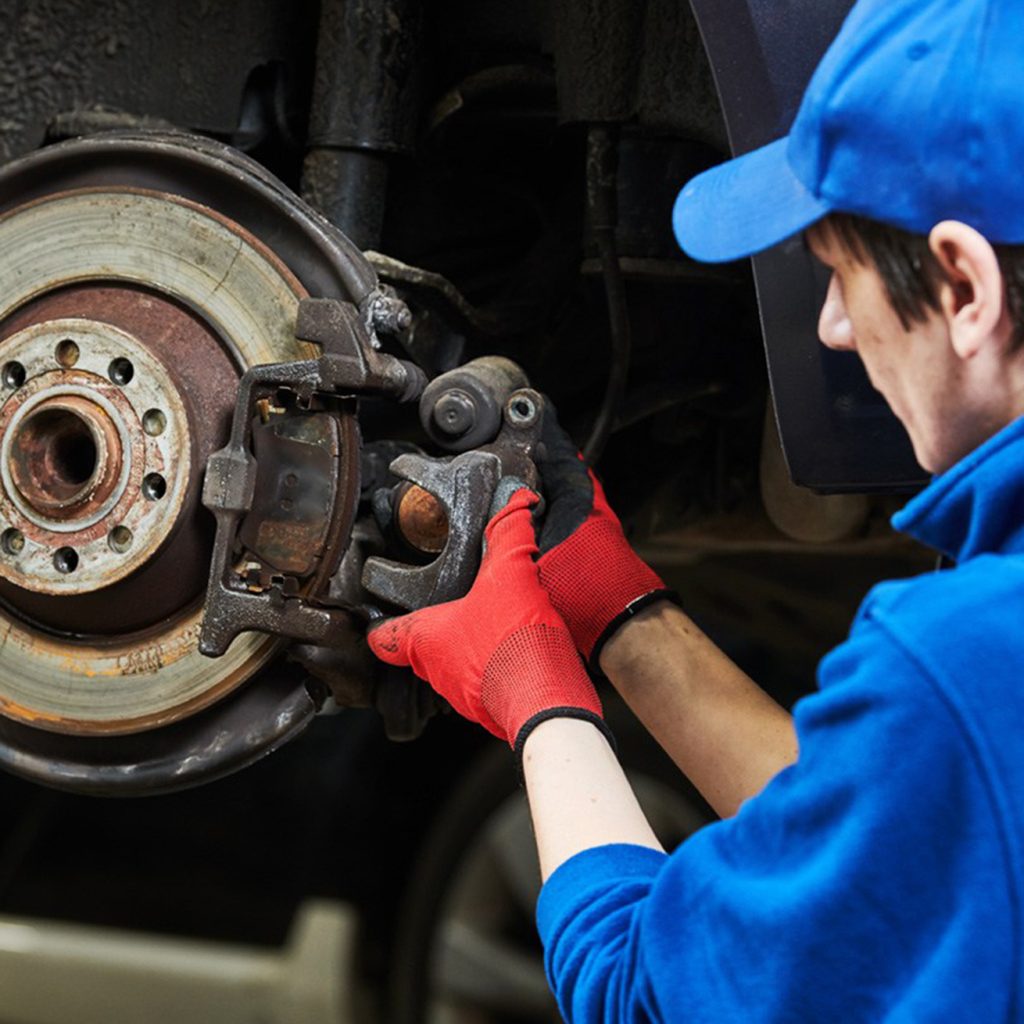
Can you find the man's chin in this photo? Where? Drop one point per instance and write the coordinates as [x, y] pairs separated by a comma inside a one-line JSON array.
[[929, 459]]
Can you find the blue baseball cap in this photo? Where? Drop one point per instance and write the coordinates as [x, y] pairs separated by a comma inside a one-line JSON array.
[[915, 115]]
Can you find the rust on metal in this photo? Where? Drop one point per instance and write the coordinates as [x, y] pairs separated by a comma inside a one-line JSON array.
[[66, 457], [421, 519], [296, 488], [98, 663], [40, 530], [206, 378], [122, 658]]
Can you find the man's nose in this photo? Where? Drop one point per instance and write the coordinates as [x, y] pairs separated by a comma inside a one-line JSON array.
[[834, 327]]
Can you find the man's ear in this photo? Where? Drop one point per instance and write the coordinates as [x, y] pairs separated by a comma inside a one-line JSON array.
[[972, 295]]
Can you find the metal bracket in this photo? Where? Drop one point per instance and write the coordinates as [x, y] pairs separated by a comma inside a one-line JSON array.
[[466, 487], [349, 367]]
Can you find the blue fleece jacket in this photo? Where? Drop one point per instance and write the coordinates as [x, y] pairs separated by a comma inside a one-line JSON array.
[[879, 878]]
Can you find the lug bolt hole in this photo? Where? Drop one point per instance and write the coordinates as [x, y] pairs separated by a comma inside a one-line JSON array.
[[121, 371], [120, 539], [65, 560], [12, 541], [154, 486], [67, 353], [154, 422], [13, 374]]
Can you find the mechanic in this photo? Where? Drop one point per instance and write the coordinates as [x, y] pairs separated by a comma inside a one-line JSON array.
[[877, 875]]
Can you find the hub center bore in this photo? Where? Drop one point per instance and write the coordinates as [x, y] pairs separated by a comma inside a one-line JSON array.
[[66, 457]]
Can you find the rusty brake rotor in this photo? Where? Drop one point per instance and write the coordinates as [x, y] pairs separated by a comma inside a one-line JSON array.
[[148, 272]]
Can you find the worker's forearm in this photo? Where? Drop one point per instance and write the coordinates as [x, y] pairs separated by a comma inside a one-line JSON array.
[[579, 796], [722, 730]]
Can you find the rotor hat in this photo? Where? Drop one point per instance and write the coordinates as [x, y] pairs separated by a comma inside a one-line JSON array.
[[912, 117]]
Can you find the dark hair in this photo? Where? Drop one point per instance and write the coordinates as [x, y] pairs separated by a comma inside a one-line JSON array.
[[911, 273]]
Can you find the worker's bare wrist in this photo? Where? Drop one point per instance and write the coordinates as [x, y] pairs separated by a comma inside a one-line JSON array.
[[630, 641], [557, 737], [566, 713], [635, 607]]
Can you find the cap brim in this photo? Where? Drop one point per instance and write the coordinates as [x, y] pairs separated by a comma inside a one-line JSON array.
[[744, 206]]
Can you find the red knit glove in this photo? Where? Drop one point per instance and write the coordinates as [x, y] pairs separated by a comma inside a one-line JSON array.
[[501, 656], [595, 580]]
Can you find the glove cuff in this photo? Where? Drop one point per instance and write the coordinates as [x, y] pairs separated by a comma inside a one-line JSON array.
[[631, 609], [582, 714]]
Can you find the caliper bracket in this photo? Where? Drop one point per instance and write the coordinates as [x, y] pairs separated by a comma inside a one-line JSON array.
[[276, 601], [465, 486]]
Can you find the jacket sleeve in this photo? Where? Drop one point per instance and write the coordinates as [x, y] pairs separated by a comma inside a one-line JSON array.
[[838, 891]]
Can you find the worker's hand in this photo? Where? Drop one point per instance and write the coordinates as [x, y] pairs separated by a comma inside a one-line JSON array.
[[594, 578], [501, 655]]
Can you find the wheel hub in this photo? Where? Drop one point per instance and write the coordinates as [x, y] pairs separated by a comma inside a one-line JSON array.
[[95, 457]]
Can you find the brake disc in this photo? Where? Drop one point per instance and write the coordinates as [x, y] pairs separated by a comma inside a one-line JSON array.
[[144, 274]]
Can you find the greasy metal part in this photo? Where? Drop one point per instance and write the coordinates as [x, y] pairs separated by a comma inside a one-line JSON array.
[[465, 487], [429, 282], [347, 667], [349, 671], [389, 313], [75, 459], [375, 459], [349, 187], [366, 62], [436, 336], [362, 110], [463, 408], [349, 366]]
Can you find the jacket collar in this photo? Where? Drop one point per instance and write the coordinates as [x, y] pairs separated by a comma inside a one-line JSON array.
[[977, 506]]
